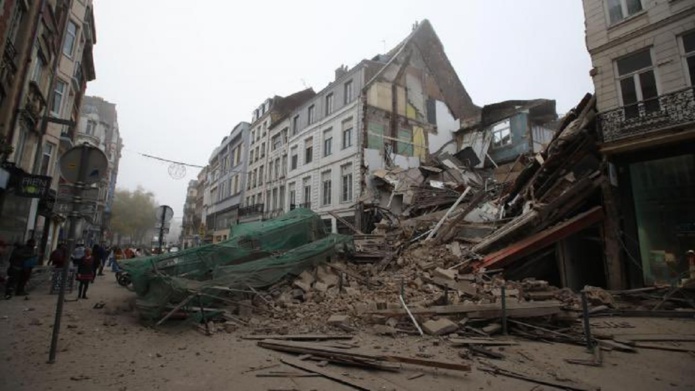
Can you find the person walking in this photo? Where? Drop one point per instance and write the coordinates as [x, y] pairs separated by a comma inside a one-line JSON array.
[[22, 260], [98, 253], [59, 256], [85, 271]]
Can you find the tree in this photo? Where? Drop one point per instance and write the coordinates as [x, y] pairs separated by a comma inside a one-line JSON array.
[[133, 214]]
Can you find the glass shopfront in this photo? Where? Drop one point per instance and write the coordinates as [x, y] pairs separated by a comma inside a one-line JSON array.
[[664, 203]]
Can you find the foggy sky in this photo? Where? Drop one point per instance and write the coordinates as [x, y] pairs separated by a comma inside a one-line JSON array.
[[183, 73]]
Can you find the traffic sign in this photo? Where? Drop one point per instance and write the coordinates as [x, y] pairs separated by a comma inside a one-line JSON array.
[[95, 162], [66, 192], [164, 213]]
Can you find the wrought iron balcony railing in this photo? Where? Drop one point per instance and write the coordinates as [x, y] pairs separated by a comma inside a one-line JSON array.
[[664, 111], [251, 210]]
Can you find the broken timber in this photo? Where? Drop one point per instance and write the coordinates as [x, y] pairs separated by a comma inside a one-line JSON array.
[[330, 353], [298, 337], [520, 376], [313, 368], [484, 311], [542, 239]]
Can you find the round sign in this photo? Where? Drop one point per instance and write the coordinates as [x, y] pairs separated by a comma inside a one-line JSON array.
[[94, 161], [164, 212]]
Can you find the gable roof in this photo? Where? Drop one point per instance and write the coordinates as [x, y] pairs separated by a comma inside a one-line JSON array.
[[424, 38]]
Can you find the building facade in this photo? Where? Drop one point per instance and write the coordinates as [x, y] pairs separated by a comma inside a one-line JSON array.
[[190, 223], [390, 111], [47, 61], [643, 57], [262, 167], [98, 126], [227, 168]]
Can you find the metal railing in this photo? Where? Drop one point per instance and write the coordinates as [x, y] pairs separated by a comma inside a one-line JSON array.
[[251, 210], [664, 111]]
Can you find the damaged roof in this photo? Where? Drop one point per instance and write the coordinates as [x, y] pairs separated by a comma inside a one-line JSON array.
[[425, 39]]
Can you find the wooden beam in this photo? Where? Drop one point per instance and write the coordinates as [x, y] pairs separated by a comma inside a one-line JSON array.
[[541, 239], [327, 373], [347, 224], [298, 337], [483, 311], [323, 351]]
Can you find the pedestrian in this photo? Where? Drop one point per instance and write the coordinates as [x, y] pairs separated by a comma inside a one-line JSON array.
[[98, 253], [85, 271], [22, 261], [59, 256]]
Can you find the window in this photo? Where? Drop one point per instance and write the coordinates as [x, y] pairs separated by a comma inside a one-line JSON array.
[[263, 150], [248, 180], [17, 17], [257, 155], [277, 168], [325, 188], [237, 155], [293, 195], [276, 142], [235, 185], [688, 41], [621, 9], [347, 97], [295, 125], [327, 142], [255, 177], [91, 128], [329, 104], [70, 39], [21, 144], [251, 156], [637, 83], [310, 115], [306, 182], [347, 133], [37, 75], [346, 185], [295, 158], [284, 166], [501, 134], [58, 95], [308, 150], [46, 158], [270, 171], [260, 175]]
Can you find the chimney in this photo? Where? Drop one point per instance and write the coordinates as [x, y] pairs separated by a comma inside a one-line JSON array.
[[341, 71]]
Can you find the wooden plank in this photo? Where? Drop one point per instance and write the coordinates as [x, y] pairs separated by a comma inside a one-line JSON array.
[[661, 347], [484, 311], [541, 239], [688, 314], [627, 338], [327, 373], [347, 224], [299, 337], [322, 351], [520, 376], [607, 343], [479, 341]]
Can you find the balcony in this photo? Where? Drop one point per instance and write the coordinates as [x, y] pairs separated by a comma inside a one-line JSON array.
[[306, 205], [665, 111], [273, 214], [251, 210]]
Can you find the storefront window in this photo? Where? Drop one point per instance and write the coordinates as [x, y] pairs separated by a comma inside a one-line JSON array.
[[664, 197]]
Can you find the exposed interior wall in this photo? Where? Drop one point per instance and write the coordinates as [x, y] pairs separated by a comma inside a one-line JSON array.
[[446, 126], [520, 143]]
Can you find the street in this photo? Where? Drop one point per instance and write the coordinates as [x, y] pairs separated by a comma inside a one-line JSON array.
[[108, 349]]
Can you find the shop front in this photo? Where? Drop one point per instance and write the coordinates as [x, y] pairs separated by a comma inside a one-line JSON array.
[[658, 202]]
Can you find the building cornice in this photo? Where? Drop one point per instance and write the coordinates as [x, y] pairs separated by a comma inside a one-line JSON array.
[[642, 30]]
